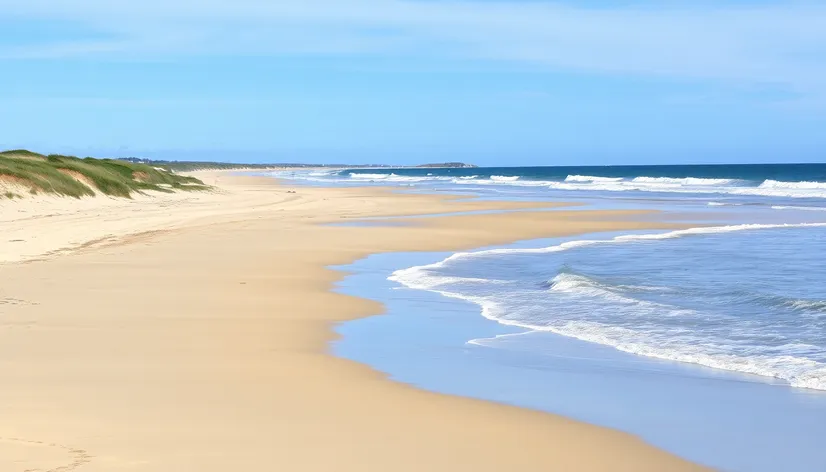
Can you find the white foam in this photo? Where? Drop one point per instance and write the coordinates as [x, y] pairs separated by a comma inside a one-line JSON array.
[[799, 372], [581, 285], [800, 208], [793, 185], [768, 188], [639, 186], [590, 178], [692, 181], [618, 239], [790, 192], [511, 183], [814, 305], [395, 178], [354, 175]]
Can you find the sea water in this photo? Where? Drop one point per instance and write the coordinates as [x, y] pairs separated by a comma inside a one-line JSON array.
[[740, 303], [721, 418], [735, 183], [747, 298]]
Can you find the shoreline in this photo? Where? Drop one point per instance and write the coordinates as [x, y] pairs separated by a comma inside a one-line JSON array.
[[446, 345], [233, 326]]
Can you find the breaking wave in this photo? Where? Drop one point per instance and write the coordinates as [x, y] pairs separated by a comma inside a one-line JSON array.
[[638, 318]]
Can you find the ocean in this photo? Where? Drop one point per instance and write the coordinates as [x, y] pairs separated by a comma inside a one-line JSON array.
[[741, 294], [785, 182]]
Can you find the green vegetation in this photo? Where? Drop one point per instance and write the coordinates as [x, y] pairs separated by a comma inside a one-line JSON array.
[[76, 177]]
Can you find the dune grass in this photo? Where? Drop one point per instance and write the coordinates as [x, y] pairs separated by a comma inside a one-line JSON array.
[[76, 177]]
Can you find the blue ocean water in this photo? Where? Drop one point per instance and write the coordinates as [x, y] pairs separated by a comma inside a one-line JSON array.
[[783, 182], [725, 419], [747, 295], [746, 298], [741, 295]]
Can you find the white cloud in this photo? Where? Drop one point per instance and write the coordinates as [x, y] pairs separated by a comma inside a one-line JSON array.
[[772, 44]]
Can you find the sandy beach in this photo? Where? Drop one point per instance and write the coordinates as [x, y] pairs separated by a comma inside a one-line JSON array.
[[190, 333]]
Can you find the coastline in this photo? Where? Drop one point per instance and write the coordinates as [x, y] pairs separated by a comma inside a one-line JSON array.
[[218, 358], [447, 345]]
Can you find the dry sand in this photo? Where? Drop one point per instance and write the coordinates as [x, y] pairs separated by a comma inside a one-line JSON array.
[[190, 333]]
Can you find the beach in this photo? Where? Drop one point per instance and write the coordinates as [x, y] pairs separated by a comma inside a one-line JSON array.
[[192, 333]]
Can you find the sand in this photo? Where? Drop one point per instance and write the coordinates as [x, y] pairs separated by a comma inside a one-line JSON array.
[[190, 333]]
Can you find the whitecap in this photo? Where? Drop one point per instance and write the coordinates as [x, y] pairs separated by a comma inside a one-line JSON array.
[[504, 178], [590, 178]]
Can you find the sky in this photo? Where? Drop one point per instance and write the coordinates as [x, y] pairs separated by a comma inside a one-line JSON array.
[[489, 82]]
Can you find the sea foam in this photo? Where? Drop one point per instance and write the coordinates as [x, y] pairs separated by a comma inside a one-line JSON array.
[[689, 181], [768, 188], [590, 178], [783, 362]]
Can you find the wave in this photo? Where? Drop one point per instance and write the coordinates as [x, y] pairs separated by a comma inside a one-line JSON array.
[[573, 283], [354, 175], [801, 208], [640, 184], [567, 282], [698, 186], [510, 183], [575, 182], [797, 371], [778, 361], [693, 181], [808, 305], [793, 185], [410, 275], [590, 178], [394, 178]]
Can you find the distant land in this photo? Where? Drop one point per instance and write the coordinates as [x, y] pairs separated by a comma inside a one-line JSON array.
[[184, 166], [450, 164], [200, 165]]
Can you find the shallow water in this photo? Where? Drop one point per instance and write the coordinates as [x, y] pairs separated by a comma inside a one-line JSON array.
[[728, 420], [709, 342], [747, 299]]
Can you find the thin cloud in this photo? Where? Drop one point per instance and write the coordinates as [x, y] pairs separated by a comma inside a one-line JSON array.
[[771, 44]]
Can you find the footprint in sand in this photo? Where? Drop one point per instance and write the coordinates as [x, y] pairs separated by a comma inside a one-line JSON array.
[[24, 455]]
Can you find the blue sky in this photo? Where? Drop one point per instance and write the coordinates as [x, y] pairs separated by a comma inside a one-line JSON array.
[[401, 81]]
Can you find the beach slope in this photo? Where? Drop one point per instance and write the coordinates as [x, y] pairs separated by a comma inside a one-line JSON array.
[[197, 338]]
